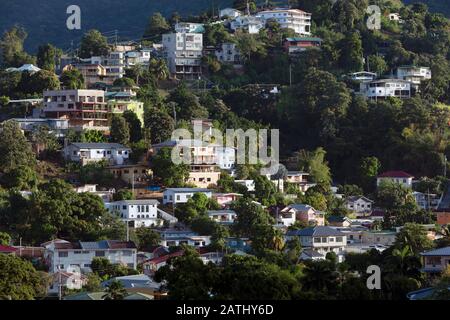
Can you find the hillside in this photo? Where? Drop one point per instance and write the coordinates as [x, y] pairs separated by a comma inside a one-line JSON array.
[[442, 6], [45, 20]]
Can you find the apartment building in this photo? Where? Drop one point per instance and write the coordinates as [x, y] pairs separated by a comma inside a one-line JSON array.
[[384, 88], [119, 102], [113, 153], [415, 75], [295, 19], [84, 109], [61, 255], [137, 212], [228, 53], [183, 53]]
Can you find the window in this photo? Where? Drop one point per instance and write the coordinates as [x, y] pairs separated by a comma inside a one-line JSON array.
[[87, 265], [178, 197], [99, 253], [63, 254], [338, 239], [77, 252], [317, 240], [324, 240]]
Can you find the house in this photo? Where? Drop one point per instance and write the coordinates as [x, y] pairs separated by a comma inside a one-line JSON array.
[[321, 239], [249, 184], [8, 249], [359, 204], [119, 102], [228, 52], [139, 56], [84, 109], [189, 27], [287, 218], [249, 24], [339, 221], [92, 73], [384, 237], [306, 213], [413, 74], [299, 179], [137, 283], [192, 240], [61, 255], [430, 230], [297, 45], [436, 260], [426, 201], [183, 53], [295, 19], [31, 125], [401, 177], [61, 280], [384, 88], [353, 232], [225, 199], [106, 195], [182, 195], [309, 254], [362, 76], [238, 244], [113, 62], [138, 212], [84, 153], [101, 296], [229, 13], [394, 17], [152, 265], [131, 173], [222, 216]]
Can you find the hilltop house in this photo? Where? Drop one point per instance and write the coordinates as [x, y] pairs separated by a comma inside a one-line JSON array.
[[303, 212], [401, 177], [413, 74], [295, 19], [321, 239], [61, 255], [436, 260], [359, 204], [138, 212], [182, 195], [113, 153], [224, 199], [229, 13], [384, 88], [222, 216], [297, 45]]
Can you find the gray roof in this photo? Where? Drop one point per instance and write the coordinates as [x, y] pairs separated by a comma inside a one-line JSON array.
[[139, 202], [300, 207], [312, 253], [438, 252], [316, 231], [186, 190], [212, 212], [134, 281], [98, 145], [94, 245], [356, 198]]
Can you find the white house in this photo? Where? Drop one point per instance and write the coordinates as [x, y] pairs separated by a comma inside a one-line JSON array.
[[225, 157], [249, 184], [295, 19], [229, 13], [182, 195], [106, 195], [138, 212], [189, 27], [170, 237], [413, 74], [113, 153], [321, 239], [61, 255], [222, 216], [363, 76], [400, 177], [306, 213], [228, 53], [384, 88], [251, 24], [183, 52], [358, 204], [426, 201]]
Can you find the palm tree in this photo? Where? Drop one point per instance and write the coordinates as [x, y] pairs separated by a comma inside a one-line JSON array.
[[138, 71], [158, 69], [115, 291]]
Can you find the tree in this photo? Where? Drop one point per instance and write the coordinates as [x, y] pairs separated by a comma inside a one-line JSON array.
[[124, 82], [5, 239], [249, 215], [93, 43], [120, 131], [11, 47], [415, 237], [21, 177], [169, 173], [392, 195], [40, 81], [19, 280], [368, 171], [158, 70], [156, 26], [160, 123], [194, 208], [320, 277], [115, 291], [352, 52], [377, 64], [123, 194], [187, 104], [92, 136], [93, 283], [134, 125], [315, 163], [48, 56], [72, 79], [147, 238], [15, 150]]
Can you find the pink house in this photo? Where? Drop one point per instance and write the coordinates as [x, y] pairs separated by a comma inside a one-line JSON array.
[[224, 199], [306, 213]]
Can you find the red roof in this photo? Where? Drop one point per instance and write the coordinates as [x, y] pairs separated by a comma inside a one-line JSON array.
[[395, 174], [7, 249]]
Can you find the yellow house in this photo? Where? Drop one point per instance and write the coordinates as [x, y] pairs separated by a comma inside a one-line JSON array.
[[119, 102]]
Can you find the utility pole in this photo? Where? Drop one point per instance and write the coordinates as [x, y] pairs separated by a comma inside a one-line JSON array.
[[132, 182], [445, 165], [128, 230], [20, 246], [290, 75]]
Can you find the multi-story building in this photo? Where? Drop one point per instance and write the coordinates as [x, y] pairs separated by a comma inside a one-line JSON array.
[[359, 204], [114, 63], [138, 212], [228, 53], [84, 109], [30, 125], [182, 195], [302, 212], [299, 179], [183, 52], [413, 74], [400, 177], [119, 102], [113, 153], [61, 255], [384, 88], [139, 56], [92, 73], [250, 24], [321, 239], [295, 19], [189, 27]]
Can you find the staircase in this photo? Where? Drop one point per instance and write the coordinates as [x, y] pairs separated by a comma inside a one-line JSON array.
[[166, 216]]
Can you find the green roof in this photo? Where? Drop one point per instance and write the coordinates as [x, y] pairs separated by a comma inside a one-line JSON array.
[[305, 39]]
